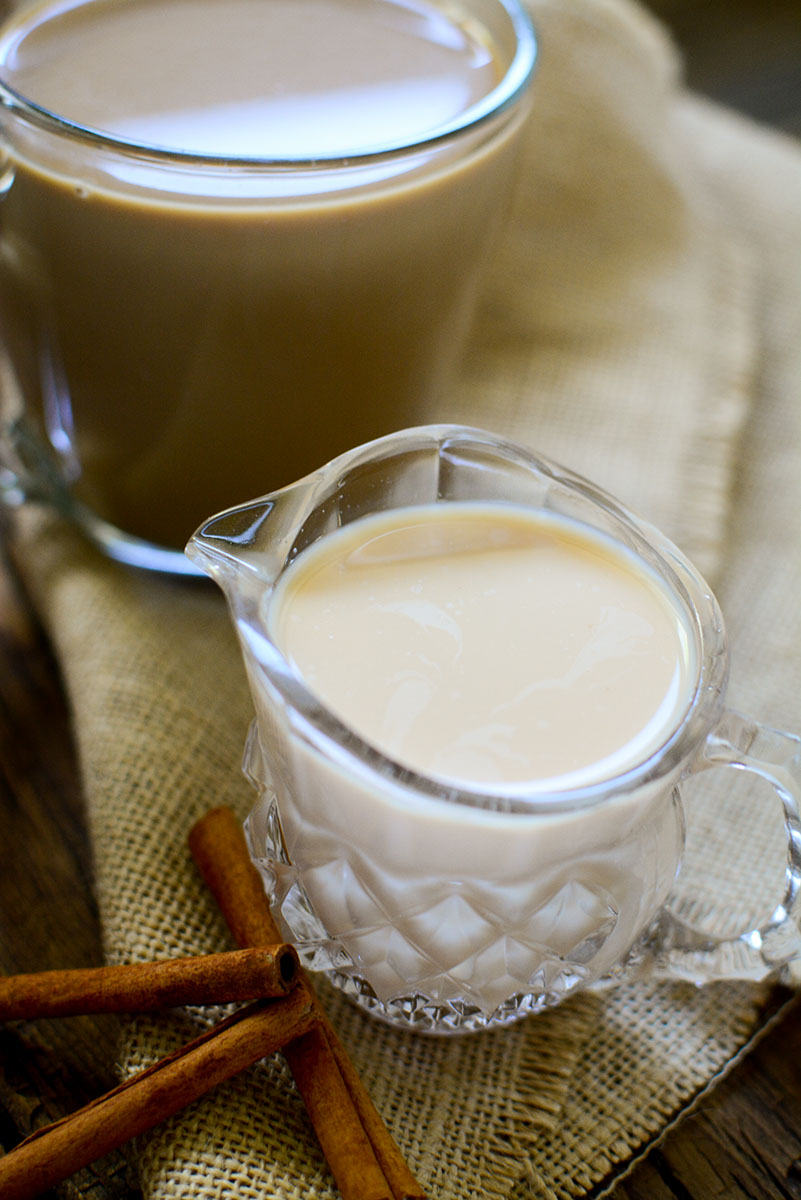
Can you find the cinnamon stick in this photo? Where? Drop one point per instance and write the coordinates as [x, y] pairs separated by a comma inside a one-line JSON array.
[[231, 977], [58, 1150], [334, 1094]]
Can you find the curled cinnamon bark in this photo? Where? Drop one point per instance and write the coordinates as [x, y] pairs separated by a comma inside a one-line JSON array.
[[58, 1150], [353, 1136], [233, 977]]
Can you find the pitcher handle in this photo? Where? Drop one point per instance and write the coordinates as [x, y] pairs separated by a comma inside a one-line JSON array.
[[683, 952]]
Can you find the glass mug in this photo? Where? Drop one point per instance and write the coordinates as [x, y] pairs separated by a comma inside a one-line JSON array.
[[187, 320], [446, 909]]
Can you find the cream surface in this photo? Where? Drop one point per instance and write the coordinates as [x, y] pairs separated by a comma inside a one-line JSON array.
[[488, 643]]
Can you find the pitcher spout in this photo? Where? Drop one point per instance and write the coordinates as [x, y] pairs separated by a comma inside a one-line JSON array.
[[257, 540], [224, 545], [249, 541]]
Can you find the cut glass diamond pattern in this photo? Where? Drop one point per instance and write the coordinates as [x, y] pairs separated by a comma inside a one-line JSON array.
[[351, 905], [423, 964], [452, 930]]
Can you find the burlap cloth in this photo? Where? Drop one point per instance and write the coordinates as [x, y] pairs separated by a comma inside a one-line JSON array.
[[642, 325]]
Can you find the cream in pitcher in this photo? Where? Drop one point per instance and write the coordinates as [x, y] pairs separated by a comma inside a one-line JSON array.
[[493, 647], [479, 684], [470, 642]]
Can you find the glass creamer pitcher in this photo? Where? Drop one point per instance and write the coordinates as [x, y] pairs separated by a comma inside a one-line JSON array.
[[447, 908]]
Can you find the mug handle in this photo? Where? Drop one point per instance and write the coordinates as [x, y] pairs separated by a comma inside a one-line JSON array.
[[681, 951], [28, 471]]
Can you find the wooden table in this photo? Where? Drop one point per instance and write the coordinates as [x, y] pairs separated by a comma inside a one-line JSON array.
[[743, 1141]]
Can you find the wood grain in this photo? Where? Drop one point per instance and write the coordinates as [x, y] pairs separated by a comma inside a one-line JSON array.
[[744, 1141], [47, 915]]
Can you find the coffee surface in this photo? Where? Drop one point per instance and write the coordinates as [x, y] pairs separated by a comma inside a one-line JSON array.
[[293, 78], [488, 643]]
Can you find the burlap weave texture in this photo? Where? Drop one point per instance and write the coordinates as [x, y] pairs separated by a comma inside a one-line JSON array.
[[642, 325]]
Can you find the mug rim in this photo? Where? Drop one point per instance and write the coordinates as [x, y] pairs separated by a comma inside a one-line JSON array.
[[310, 718], [507, 91]]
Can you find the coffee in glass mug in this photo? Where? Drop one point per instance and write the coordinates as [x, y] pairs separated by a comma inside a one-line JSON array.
[[237, 238]]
